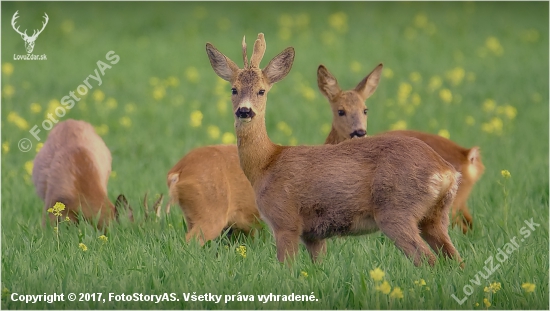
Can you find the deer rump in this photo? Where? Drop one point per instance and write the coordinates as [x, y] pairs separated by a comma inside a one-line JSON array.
[[354, 183]]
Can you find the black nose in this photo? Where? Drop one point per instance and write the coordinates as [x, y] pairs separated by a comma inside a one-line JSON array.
[[244, 113], [358, 133]]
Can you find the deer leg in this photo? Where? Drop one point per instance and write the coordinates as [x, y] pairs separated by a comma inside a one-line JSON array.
[[287, 242], [205, 231], [407, 238], [315, 248], [438, 238]]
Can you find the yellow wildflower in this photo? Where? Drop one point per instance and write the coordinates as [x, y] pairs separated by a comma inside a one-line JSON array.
[[420, 20], [55, 229], [213, 131], [172, 81], [339, 21], [39, 146], [403, 93], [196, 118], [52, 105], [222, 106], [399, 125], [420, 282], [308, 93], [102, 130], [456, 75], [8, 91], [435, 83], [228, 138], [29, 166], [492, 288], [355, 66], [489, 105], [111, 103], [98, 95], [7, 69], [415, 76], [113, 174], [486, 302], [385, 287], [192, 75], [387, 73], [285, 33], [57, 209], [67, 218], [103, 238], [528, 287], [510, 111], [304, 274], [293, 141], [285, 128], [444, 133], [125, 121], [446, 95], [83, 247], [159, 92], [5, 147], [477, 304], [242, 250], [396, 293], [494, 46], [377, 274], [36, 108], [130, 107], [16, 119], [416, 100], [505, 174]]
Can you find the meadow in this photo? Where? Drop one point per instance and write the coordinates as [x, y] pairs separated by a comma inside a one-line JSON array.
[[476, 72]]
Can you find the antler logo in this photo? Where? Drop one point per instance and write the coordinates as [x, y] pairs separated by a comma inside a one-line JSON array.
[[29, 41]]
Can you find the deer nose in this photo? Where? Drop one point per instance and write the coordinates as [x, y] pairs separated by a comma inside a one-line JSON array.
[[358, 133], [245, 113]]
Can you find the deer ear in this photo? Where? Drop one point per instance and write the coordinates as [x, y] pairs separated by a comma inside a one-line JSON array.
[[327, 83], [367, 86], [279, 66], [222, 65]]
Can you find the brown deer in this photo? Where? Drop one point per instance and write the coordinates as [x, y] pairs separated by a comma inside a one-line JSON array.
[[73, 168], [397, 185], [350, 119], [213, 192]]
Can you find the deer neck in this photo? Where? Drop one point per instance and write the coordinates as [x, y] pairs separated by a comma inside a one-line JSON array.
[[256, 150], [333, 137]]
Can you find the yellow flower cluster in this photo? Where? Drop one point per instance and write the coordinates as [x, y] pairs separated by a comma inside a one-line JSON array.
[[16, 119], [83, 247], [241, 250], [492, 288], [57, 209], [103, 238], [384, 287], [528, 287]]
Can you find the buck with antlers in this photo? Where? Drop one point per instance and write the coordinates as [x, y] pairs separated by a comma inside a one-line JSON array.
[[29, 40], [73, 168], [397, 185], [350, 119]]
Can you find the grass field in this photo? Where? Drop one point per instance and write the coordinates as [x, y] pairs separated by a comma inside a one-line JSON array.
[[477, 72]]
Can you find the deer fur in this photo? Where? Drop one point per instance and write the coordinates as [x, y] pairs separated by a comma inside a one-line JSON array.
[[213, 192], [73, 168], [350, 117], [397, 185]]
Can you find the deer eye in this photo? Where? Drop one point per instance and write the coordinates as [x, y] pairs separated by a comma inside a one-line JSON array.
[[341, 113], [234, 91], [261, 92], [365, 111]]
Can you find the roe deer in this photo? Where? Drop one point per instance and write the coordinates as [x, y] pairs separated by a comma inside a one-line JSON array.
[[396, 184], [350, 119], [73, 168], [213, 192]]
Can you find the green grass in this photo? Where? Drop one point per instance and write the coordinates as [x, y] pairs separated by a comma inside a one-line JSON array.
[[498, 51]]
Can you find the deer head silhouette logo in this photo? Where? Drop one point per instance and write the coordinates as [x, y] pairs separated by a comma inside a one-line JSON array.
[[29, 40]]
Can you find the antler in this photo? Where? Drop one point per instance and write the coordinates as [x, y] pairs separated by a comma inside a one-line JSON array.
[[15, 16], [245, 58], [43, 26], [259, 50]]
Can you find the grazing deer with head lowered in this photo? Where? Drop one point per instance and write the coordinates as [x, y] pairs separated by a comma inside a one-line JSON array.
[[213, 192], [394, 184], [73, 168], [350, 119]]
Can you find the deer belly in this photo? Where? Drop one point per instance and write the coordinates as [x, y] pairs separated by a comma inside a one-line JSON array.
[[337, 223]]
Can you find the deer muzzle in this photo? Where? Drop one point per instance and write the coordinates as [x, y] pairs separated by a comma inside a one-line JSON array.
[[245, 114], [358, 133]]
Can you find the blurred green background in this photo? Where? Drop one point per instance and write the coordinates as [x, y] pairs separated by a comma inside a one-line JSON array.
[[476, 72]]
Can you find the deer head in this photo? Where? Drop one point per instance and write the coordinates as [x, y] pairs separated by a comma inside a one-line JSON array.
[[29, 41], [250, 85], [348, 107]]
